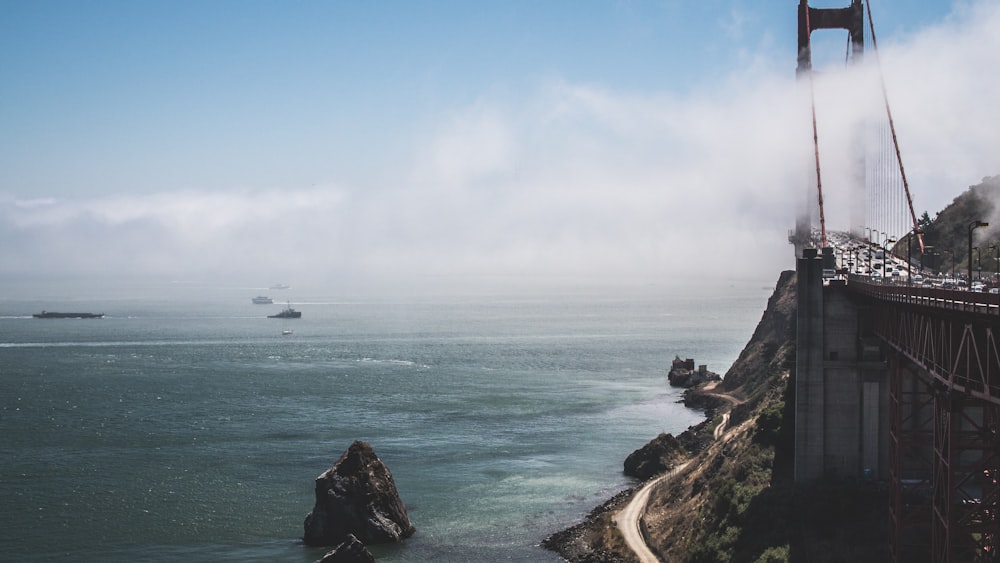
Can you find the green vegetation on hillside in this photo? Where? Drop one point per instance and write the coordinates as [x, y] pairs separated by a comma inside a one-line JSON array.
[[740, 503], [947, 235]]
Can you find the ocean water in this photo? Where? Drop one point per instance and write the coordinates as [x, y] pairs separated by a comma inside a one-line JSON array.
[[187, 427]]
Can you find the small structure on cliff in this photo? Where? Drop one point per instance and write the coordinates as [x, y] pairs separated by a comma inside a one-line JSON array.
[[683, 374], [357, 496]]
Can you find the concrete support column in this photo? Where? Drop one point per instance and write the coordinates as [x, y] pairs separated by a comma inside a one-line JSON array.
[[809, 384]]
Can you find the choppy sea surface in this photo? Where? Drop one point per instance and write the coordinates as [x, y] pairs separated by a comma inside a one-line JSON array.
[[185, 426]]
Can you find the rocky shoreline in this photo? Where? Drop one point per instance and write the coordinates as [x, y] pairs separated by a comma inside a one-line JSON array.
[[590, 541], [752, 387]]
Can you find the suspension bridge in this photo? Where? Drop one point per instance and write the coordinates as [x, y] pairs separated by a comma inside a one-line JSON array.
[[896, 383]]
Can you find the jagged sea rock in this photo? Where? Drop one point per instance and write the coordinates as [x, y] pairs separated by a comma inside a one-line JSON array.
[[357, 496], [680, 372], [351, 550], [655, 457]]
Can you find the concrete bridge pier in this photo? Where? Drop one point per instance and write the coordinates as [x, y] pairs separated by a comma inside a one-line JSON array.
[[841, 385]]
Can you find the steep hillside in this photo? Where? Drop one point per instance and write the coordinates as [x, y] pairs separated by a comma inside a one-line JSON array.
[[736, 501], [756, 383], [713, 511], [947, 234], [771, 348]]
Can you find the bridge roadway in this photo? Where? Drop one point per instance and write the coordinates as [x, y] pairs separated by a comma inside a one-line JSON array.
[[962, 301]]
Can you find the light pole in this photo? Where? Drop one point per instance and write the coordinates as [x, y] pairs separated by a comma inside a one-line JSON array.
[[887, 241], [996, 262], [885, 255], [909, 259], [973, 226]]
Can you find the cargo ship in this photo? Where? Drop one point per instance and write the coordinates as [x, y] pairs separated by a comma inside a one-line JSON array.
[[54, 315], [287, 313]]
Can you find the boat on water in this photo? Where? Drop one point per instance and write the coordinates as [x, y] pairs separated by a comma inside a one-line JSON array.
[[280, 286], [286, 332], [287, 313], [262, 300], [54, 315]]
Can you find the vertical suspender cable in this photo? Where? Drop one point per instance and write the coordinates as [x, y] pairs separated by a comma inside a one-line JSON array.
[[812, 98], [892, 129]]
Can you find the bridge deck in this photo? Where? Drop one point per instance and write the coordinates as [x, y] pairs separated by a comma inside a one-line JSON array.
[[951, 334], [968, 302]]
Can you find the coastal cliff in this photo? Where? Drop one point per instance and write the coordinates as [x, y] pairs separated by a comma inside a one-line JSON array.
[[735, 500], [758, 377]]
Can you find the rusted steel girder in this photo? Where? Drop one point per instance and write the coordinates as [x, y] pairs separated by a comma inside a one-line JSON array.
[[964, 524], [948, 344], [952, 335]]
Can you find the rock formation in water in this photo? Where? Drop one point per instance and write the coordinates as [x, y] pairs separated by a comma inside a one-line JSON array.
[[657, 456], [683, 373], [357, 496]]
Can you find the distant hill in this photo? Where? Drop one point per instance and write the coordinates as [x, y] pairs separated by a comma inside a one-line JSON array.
[[947, 234]]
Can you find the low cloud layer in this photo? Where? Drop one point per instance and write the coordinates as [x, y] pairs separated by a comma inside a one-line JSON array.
[[582, 182]]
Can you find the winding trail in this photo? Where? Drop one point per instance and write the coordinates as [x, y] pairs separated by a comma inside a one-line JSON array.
[[721, 427], [629, 517]]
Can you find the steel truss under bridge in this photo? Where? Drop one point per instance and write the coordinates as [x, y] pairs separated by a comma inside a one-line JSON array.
[[945, 420]]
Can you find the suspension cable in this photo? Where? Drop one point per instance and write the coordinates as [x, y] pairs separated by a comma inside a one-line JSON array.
[[892, 129], [812, 98]]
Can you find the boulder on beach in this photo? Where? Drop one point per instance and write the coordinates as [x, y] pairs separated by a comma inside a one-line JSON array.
[[357, 496], [657, 456]]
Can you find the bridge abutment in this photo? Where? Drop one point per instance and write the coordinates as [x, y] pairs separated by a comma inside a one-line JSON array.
[[841, 386]]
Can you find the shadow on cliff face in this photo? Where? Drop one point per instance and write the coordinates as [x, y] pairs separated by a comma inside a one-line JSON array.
[[821, 522], [783, 470]]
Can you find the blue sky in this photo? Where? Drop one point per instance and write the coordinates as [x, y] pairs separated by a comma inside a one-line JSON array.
[[438, 139]]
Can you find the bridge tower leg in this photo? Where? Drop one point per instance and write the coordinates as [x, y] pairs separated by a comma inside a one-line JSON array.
[[841, 384], [809, 20]]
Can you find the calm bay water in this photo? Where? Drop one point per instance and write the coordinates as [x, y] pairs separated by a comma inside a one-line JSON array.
[[187, 427]]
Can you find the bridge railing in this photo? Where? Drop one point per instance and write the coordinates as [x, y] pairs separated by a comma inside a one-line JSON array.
[[953, 335], [953, 299]]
